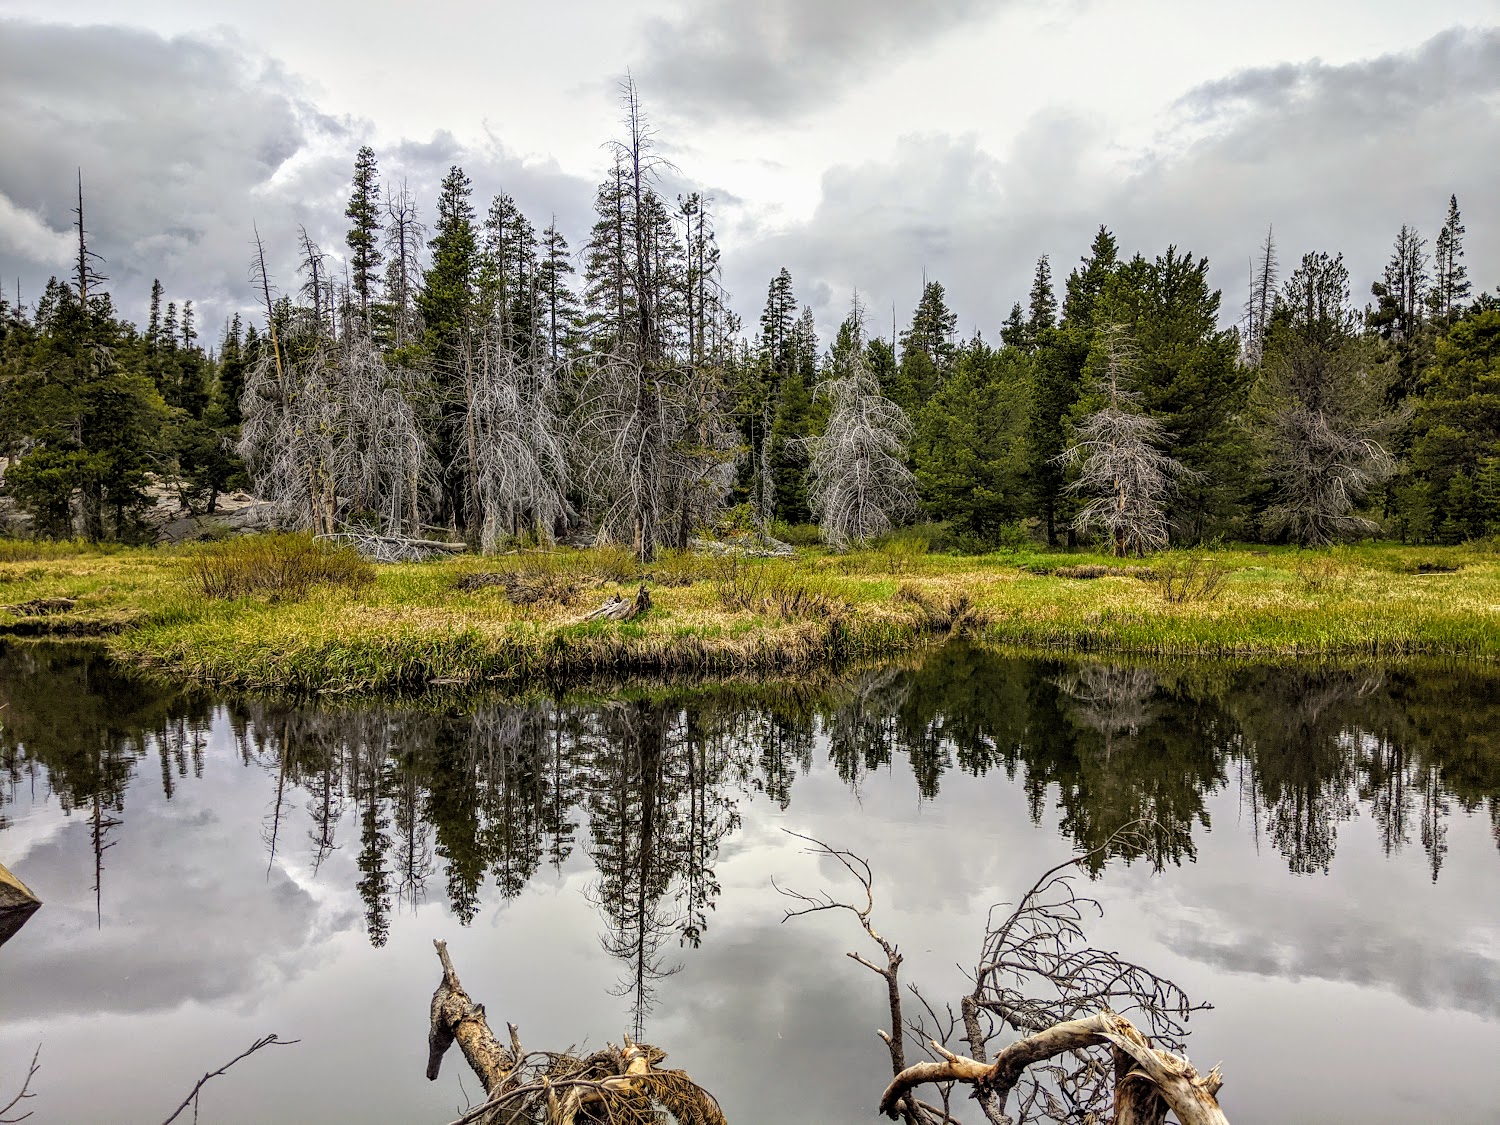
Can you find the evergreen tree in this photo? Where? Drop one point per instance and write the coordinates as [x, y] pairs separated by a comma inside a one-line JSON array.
[[363, 239], [559, 304], [507, 279], [1061, 356], [1457, 426], [1450, 276], [1188, 377], [447, 297], [970, 446], [1043, 301], [1398, 315], [235, 353], [927, 349]]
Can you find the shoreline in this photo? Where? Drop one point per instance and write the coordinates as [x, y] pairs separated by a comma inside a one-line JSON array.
[[420, 625]]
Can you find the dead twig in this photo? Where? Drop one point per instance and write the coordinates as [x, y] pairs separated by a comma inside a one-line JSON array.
[[192, 1098], [25, 1093]]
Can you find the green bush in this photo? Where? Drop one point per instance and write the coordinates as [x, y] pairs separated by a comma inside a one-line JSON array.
[[279, 566]]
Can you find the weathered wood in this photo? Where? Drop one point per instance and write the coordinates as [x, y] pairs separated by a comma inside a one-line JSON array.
[[1189, 1096], [456, 1017], [618, 609], [621, 1085]]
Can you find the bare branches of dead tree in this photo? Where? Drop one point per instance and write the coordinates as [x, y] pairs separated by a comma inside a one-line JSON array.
[[1078, 1058], [193, 1094], [1121, 464], [518, 443], [621, 1085], [858, 482], [1325, 437], [24, 1094]]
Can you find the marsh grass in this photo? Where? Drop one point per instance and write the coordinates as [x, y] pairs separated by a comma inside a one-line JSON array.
[[415, 624], [774, 588], [284, 566]]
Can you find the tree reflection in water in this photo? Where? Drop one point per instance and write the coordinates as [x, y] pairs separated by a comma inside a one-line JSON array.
[[647, 786]]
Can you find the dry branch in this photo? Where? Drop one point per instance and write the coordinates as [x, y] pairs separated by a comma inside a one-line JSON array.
[[24, 1094], [192, 1098], [621, 1085], [1078, 1058]]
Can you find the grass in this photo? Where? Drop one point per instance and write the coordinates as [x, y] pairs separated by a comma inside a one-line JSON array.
[[443, 622]]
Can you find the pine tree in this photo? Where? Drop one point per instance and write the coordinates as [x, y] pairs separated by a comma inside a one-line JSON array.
[[363, 238], [1450, 277], [1061, 356], [1188, 377], [970, 448], [927, 349], [507, 279], [1456, 426], [1043, 301], [1401, 300], [606, 271], [560, 310], [447, 298]]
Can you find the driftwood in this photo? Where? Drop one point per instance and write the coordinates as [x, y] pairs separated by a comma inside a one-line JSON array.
[[378, 547], [618, 609], [622, 1084], [1077, 1058]]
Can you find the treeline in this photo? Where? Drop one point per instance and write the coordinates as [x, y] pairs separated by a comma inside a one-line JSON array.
[[479, 378]]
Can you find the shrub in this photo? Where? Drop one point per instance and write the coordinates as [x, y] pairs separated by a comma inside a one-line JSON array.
[[1191, 579], [280, 566], [771, 588], [1317, 573], [798, 534]]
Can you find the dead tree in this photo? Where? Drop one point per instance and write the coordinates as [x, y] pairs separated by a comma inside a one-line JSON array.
[[1079, 1056], [519, 449], [1325, 438], [1121, 465], [858, 482], [621, 1085]]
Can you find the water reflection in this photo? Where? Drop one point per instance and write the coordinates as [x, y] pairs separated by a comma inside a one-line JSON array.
[[471, 800]]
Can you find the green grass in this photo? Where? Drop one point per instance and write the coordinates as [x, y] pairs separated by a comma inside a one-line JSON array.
[[415, 624]]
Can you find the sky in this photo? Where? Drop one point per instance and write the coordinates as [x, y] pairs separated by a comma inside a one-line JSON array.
[[861, 144]]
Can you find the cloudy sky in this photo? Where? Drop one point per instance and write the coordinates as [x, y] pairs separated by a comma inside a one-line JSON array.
[[858, 144]]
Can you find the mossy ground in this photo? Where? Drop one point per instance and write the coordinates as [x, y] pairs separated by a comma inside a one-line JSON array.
[[413, 625]]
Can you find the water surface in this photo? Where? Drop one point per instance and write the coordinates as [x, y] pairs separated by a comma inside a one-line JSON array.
[[1326, 872]]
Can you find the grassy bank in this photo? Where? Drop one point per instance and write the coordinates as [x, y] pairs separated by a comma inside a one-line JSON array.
[[511, 618]]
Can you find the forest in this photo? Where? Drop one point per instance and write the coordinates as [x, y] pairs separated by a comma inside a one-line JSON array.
[[463, 373]]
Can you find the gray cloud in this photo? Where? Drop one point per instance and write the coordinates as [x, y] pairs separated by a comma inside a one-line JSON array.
[[774, 60], [183, 144], [1336, 157]]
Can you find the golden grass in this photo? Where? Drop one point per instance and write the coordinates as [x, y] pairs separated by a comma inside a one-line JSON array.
[[416, 624]]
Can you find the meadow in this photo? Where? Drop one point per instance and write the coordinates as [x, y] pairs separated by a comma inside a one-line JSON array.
[[286, 613]]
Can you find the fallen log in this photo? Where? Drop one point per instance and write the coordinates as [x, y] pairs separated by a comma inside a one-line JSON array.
[[618, 1084], [619, 609]]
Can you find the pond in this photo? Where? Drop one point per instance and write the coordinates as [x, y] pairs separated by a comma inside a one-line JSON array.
[[1323, 867]]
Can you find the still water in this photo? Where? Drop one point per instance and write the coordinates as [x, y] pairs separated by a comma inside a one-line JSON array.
[[1326, 872]]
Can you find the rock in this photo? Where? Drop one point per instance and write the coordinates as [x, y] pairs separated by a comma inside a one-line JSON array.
[[14, 894]]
